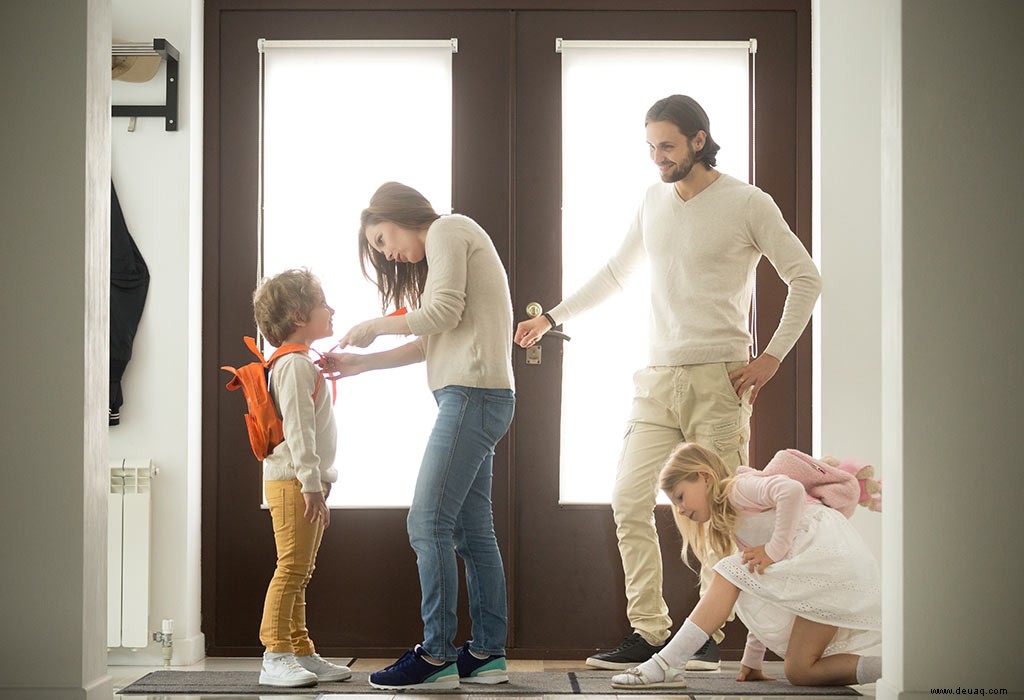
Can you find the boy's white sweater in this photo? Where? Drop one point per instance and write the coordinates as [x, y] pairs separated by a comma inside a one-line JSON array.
[[703, 253], [310, 435]]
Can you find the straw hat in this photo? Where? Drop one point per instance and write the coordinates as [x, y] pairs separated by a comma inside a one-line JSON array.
[[133, 69]]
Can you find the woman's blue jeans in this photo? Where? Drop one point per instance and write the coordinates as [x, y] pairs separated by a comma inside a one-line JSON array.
[[451, 513]]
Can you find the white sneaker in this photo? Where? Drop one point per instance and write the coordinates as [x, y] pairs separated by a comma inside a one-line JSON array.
[[283, 670], [324, 670]]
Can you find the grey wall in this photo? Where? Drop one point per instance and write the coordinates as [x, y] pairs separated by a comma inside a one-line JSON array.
[[54, 198], [962, 330]]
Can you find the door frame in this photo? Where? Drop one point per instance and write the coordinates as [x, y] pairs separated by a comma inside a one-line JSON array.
[[217, 315]]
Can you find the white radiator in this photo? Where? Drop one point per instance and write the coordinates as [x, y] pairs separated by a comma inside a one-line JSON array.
[[128, 557]]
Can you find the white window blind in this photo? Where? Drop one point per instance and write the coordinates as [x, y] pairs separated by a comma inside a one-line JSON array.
[[607, 88], [338, 118]]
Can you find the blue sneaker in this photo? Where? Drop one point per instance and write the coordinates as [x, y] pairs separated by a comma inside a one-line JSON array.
[[413, 672], [488, 671]]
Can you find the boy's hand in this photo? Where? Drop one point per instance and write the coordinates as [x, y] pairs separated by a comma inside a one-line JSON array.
[[316, 507], [756, 560], [752, 674], [344, 364]]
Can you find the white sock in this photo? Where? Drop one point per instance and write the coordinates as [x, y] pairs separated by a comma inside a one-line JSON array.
[[275, 654], [677, 652], [869, 669]]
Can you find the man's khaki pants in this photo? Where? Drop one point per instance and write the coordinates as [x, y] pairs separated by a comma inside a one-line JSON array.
[[695, 403]]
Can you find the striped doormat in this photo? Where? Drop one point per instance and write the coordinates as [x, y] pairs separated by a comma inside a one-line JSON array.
[[520, 684]]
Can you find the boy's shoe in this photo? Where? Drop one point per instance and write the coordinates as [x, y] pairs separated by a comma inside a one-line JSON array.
[[324, 670], [707, 658], [413, 672], [633, 650], [487, 671], [283, 670]]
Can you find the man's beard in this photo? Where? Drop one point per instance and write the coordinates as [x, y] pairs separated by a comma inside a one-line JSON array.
[[682, 169]]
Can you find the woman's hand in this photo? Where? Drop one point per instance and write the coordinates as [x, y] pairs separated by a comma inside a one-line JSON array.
[[756, 560], [361, 335], [529, 332], [754, 376], [342, 364], [752, 674]]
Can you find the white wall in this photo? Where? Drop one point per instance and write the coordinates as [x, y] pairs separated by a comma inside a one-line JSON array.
[[54, 77], [848, 237], [158, 178]]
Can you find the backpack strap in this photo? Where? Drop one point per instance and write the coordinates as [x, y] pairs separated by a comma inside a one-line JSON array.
[[290, 349]]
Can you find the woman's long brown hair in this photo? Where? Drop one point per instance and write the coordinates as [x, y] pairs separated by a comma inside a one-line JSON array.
[[399, 284]]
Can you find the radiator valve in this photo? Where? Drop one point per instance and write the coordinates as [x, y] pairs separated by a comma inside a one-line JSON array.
[[164, 637]]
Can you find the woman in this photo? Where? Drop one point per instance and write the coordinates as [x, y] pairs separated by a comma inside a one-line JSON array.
[[446, 270]]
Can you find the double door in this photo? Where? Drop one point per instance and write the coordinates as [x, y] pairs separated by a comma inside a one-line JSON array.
[[564, 576]]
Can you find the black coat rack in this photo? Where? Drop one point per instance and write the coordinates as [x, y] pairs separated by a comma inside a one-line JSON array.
[[168, 110]]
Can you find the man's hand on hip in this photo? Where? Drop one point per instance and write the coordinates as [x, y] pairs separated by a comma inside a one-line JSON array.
[[754, 376]]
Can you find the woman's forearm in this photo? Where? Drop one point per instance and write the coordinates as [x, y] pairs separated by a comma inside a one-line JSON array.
[[407, 354]]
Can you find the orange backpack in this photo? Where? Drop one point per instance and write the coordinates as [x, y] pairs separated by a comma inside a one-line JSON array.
[[265, 428]]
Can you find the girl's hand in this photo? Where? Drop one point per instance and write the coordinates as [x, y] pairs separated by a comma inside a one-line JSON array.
[[529, 332], [342, 364], [754, 376], [316, 507], [752, 674], [756, 560], [361, 335]]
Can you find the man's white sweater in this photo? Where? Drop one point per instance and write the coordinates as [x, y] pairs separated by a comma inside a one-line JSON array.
[[703, 253]]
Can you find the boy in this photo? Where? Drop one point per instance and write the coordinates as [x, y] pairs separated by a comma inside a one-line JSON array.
[[291, 308]]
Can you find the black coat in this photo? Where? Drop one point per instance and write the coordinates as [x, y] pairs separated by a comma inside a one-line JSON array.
[[129, 283]]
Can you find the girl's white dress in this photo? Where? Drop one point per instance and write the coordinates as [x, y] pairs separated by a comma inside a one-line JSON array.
[[826, 573]]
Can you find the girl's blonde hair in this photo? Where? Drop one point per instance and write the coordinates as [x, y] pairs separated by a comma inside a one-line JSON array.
[[283, 299], [689, 462], [399, 284]]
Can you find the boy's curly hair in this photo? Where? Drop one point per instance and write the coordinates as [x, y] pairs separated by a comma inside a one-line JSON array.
[[283, 299]]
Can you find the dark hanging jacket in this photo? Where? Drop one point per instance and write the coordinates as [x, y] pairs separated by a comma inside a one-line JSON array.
[[129, 283]]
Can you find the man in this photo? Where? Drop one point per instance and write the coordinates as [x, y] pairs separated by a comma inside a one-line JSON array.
[[702, 233]]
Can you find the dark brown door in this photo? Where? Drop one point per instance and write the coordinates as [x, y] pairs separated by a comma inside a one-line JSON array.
[[364, 597], [565, 582], [569, 594]]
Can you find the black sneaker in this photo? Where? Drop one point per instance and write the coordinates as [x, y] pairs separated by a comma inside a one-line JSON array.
[[707, 658], [633, 650]]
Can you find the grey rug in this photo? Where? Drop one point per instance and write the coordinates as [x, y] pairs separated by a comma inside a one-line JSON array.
[[520, 684]]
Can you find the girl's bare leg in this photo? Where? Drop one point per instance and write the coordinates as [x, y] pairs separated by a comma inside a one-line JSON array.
[[715, 605], [804, 662], [710, 614]]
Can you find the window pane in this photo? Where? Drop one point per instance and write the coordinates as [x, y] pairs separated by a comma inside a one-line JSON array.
[[331, 135], [606, 92]]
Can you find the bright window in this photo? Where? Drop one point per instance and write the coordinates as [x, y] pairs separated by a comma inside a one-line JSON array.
[[332, 132], [607, 88]]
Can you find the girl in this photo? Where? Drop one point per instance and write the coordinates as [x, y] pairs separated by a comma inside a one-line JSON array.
[[803, 582], [446, 270]]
